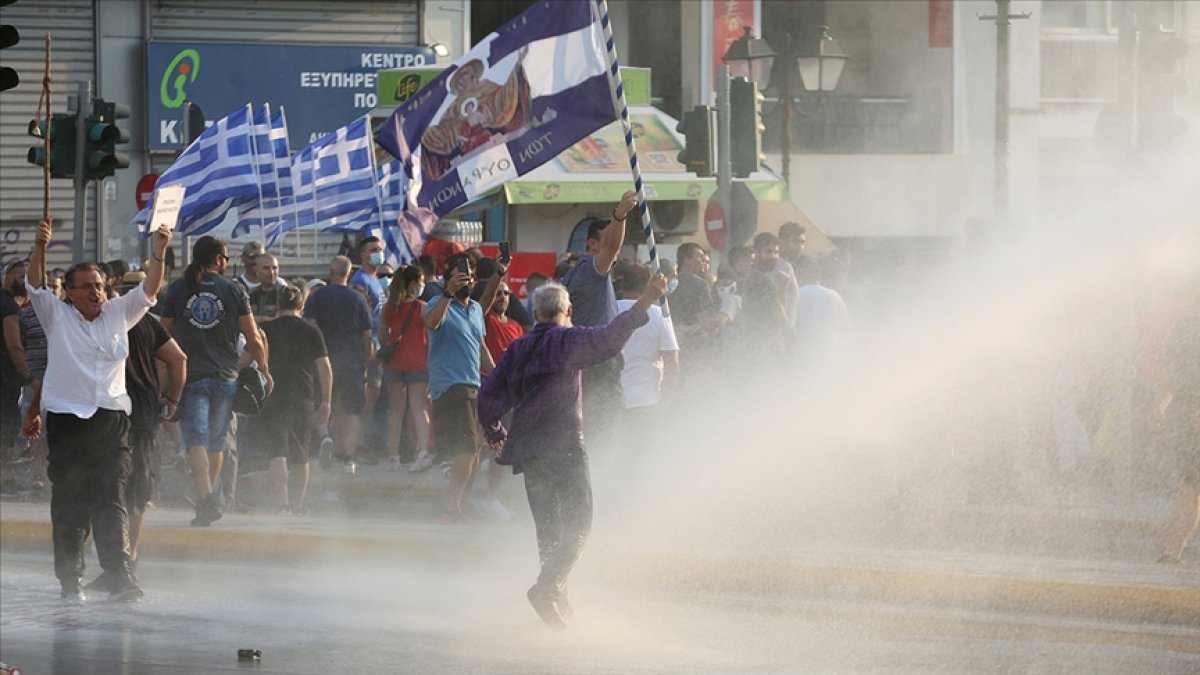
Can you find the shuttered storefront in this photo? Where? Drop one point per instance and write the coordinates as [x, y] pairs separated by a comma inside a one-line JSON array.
[[72, 29], [341, 22]]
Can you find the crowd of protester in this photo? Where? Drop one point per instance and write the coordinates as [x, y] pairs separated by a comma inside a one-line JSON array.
[[371, 368]]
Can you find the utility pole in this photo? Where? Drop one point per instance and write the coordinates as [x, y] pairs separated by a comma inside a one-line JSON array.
[[1003, 19], [83, 99], [724, 168]]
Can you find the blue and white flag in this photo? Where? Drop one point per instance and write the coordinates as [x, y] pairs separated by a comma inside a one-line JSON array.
[[218, 171], [344, 181], [520, 96], [273, 162], [299, 212]]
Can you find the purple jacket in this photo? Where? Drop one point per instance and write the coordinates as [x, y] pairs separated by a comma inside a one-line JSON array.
[[539, 379]]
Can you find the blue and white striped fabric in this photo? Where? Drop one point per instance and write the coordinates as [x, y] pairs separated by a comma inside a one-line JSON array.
[[393, 189], [273, 162], [299, 212], [218, 171], [344, 175]]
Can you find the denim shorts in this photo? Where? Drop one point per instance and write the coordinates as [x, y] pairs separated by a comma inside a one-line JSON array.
[[205, 410]]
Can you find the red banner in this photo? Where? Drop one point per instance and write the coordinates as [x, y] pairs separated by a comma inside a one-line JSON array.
[[941, 23], [730, 17]]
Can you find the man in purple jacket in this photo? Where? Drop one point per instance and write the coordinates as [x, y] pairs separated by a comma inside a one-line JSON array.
[[539, 380]]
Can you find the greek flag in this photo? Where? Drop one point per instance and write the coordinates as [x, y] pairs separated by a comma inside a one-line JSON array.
[[299, 213], [273, 163], [333, 180], [513, 102], [218, 171]]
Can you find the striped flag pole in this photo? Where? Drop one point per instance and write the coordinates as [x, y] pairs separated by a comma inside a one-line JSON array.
[[622, 110]]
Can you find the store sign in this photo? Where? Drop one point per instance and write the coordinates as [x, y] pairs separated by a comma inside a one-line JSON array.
[[321, 87]]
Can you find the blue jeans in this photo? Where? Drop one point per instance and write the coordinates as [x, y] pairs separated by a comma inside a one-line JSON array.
[[206, 408]]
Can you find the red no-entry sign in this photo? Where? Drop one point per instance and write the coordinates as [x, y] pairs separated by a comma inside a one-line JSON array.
[[715, 226], [145, 189]]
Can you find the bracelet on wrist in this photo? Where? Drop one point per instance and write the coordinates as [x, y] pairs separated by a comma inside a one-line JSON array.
[[170, 400], [622, 218], [156, 257]]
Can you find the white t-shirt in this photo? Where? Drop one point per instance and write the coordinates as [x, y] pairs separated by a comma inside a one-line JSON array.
[[821, 318], [641, 379]]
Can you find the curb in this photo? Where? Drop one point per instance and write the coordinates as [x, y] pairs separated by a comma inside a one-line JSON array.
[[1138, 603]]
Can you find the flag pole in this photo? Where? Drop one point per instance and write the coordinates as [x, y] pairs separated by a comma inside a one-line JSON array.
[[617, 87]]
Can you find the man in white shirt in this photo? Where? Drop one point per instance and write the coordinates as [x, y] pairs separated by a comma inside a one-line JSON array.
[[651, 364], [87, 412]]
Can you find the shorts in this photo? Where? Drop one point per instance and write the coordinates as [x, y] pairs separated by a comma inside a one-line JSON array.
[[405, 375], [205, 411], [374, 374], [349, 395], [142, 486], [287, 430], [456, 422]]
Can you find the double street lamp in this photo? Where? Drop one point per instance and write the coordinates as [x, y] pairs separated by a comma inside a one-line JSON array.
[[819, 61]]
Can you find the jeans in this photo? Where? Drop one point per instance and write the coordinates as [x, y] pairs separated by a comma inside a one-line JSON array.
[[206, 409], [559, 489], [89, 465]]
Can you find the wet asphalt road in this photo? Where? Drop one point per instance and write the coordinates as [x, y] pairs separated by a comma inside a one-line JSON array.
[[366, 617]]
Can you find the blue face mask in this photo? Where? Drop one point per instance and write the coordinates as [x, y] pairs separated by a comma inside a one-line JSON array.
[[376, 259], [672, 284]]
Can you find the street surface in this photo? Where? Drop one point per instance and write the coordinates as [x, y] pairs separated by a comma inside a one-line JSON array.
[[447, 608]]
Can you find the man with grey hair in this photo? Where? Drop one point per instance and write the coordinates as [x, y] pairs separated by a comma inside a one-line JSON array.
[[539, 380]]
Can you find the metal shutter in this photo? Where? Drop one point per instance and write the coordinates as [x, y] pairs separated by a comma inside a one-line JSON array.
[[71, 26]]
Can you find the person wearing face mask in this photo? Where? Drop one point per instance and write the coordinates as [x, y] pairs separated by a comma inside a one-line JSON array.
[[457, 355], [406, 373], [365, 280]]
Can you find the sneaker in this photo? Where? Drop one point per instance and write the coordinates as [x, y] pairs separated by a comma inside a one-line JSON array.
[[300, 511], [393, 464], [72, 592], [325, 455], [350, 467], [125, 590], [207, 511], [543, 601], [424, 462], [1168, 559], [284, 510]]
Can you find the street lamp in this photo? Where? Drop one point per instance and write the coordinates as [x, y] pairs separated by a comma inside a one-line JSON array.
[[751, 58], [820, 63]]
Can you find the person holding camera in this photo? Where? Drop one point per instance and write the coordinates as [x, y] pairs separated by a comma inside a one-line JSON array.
[[457, 355]]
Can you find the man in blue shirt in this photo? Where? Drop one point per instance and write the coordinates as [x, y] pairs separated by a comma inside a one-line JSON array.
[[365, 281], [594, 302], [456, 356]]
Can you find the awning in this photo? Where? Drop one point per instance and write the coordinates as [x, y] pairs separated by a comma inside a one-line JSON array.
[[596, 169], [772, 214]]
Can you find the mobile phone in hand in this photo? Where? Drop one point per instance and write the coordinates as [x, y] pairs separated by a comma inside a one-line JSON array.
[[505, 253]]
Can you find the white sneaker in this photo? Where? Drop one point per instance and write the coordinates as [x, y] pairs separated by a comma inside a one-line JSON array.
[[393, 464], [325, 456], [424, 462]]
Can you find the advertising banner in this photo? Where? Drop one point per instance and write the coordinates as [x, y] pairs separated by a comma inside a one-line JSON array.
[[322, 87]]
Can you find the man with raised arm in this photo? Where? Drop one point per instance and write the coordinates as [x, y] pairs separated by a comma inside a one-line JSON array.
[[539, 380], [87, 412]]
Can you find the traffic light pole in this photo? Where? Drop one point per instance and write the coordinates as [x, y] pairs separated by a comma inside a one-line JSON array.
[[83, 97], [724, 168]]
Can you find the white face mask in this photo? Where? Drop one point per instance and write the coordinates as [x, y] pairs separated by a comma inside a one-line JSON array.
[[419, 290]]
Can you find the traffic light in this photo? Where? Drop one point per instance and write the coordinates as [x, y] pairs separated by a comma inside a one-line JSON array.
[[101, 158], [699, 127], [745, 127], [9, 37], [62, 145]]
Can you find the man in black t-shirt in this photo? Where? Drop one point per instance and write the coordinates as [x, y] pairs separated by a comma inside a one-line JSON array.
[[149, 343], [300, 402]]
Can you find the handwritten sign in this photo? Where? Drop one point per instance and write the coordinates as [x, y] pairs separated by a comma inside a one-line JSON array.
[[167, 202]]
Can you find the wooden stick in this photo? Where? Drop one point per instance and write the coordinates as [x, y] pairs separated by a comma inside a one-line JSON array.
[[46, 171]]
